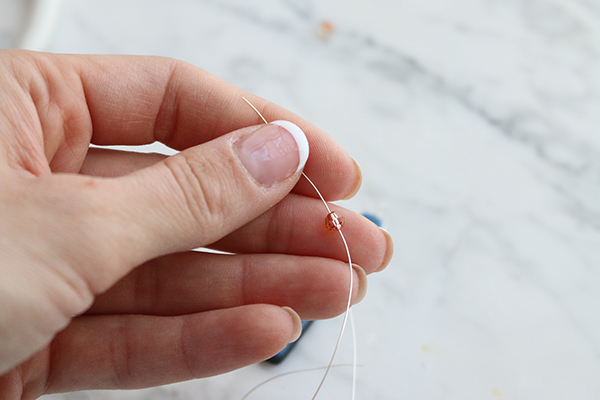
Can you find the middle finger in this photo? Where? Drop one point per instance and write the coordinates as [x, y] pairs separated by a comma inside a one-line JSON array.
[[193, 282]]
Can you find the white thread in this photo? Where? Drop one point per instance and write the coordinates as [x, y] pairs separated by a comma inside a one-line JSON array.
[[354, 365], [255, 110], [300, 371], [347, 313]]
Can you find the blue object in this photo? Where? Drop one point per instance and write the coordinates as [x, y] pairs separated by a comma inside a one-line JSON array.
[[374, 219], [279, 357]]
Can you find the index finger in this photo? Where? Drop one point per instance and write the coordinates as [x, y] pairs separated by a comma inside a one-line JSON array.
[[136, 100]]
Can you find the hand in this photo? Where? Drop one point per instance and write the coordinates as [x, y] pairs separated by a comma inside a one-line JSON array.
[[98, 286]]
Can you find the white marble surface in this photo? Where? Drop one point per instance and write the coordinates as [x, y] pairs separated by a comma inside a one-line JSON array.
[[477, 125]]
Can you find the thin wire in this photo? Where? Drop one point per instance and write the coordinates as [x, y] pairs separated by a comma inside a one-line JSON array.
[[347, 313], [349, 303], [319, 193], [354, 355], [255, 110], [300, 371]]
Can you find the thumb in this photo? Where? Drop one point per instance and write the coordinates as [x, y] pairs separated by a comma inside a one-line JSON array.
[[203, 193]]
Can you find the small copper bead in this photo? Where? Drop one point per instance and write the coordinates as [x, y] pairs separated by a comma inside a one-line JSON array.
[[333, 222]]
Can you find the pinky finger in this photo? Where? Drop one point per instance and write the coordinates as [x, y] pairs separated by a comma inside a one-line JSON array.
[[136, 351]]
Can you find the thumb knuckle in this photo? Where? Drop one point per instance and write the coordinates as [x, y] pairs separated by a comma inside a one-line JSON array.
[[202, 195]]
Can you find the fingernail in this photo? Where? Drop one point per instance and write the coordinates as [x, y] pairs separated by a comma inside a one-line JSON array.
[[273, 152], [357, 181], [297, 324], [389, 250], [362, 284]]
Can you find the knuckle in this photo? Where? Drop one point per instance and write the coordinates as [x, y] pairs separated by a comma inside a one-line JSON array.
[[201, 197], [278, 233], [188, 357], [148, 289], [120, 352]]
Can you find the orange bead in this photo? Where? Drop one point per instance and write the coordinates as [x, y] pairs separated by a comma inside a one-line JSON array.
[[333, 222]]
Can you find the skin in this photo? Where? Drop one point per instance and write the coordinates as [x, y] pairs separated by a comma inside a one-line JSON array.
[[98, 286]]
